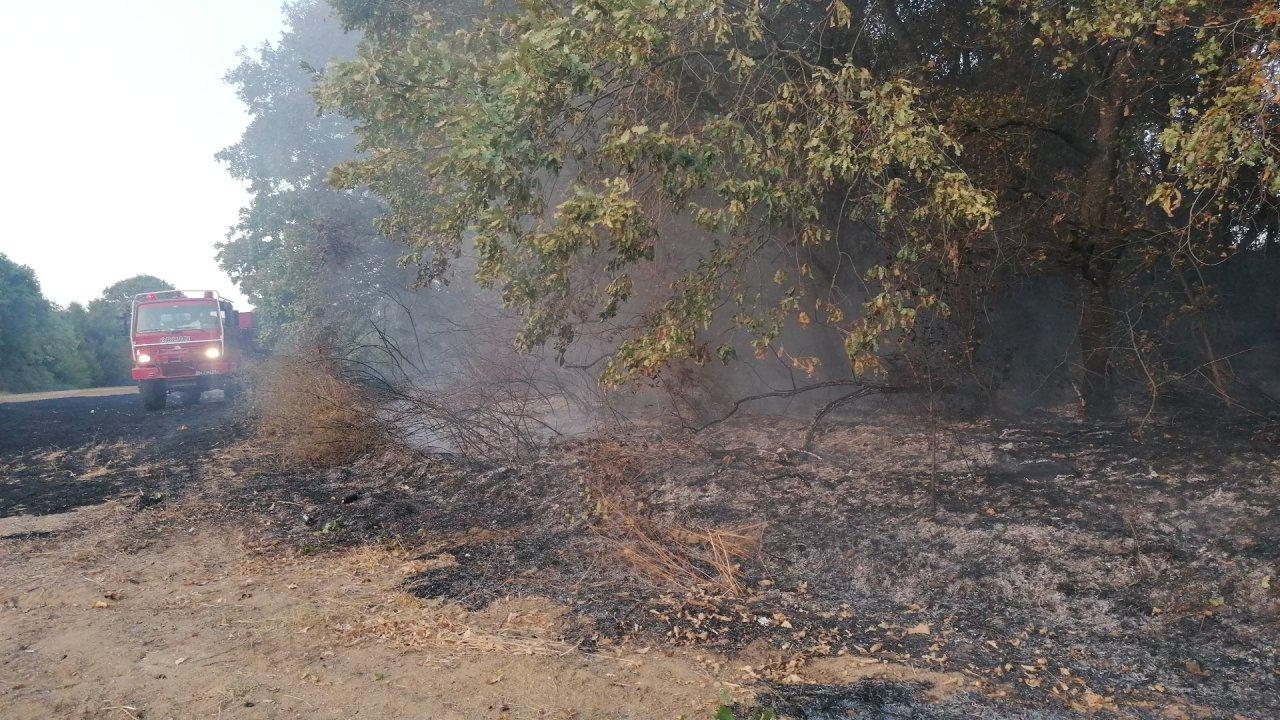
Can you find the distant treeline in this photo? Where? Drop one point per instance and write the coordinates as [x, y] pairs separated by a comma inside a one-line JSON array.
[[47, 347]]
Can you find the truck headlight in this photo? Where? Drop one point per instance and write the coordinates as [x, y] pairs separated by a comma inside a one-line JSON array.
[[213, 353], [143, 358]]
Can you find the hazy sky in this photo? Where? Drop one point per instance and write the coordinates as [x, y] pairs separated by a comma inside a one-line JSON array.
[[113, 112]]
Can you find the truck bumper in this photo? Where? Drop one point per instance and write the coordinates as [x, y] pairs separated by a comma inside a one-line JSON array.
[[146, 373], [210, 373]]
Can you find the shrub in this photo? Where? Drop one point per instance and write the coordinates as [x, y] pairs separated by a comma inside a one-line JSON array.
[[309, 415]]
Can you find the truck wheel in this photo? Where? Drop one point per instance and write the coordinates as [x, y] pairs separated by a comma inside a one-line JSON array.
[[230, 389], [191, 397], [154, 395]]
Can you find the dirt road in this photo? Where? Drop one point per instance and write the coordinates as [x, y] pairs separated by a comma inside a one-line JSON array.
[[164, 566], [8, 398]]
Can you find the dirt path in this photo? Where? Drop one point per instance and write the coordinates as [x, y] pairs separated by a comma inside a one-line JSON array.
[[60, 394], [165, 622]]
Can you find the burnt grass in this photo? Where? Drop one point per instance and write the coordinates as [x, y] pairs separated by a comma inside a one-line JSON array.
[[61, 454], [1064, 566]]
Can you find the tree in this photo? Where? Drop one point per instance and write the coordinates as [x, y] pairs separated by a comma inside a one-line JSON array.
[[24, 315], [65, 352], [40, 345], [305, 254], [102, 327], [867, 170]]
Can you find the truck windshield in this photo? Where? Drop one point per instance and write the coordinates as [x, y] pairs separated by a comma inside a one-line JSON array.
[[172, 318]]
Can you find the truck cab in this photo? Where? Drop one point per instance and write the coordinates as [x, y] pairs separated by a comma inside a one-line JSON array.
[[186, 341]]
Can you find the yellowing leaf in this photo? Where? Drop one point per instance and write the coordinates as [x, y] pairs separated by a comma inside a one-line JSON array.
[[841, 15]]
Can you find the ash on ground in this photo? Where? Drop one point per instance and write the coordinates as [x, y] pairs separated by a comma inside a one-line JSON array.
[[1060, 566]]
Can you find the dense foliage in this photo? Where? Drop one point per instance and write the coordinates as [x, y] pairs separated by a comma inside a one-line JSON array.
[[44, 347], [34, 352], [305, 254], [866, 170]]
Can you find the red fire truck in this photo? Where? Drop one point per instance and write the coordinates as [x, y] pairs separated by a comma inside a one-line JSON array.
[[187, 341]]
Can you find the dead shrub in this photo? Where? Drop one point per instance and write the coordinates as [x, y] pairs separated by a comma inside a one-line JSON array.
[[308, 415]]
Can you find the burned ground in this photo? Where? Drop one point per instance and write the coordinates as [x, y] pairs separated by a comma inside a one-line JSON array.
[[1063, 566], [58, 455], [1046, 568]]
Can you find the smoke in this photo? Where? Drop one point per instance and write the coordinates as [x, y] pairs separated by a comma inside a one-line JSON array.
[[443, 356]]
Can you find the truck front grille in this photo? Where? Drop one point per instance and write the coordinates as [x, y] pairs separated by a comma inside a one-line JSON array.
[[177, 368]]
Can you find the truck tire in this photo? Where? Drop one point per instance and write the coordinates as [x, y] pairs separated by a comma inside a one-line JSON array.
[[192, 396], [230, 389], [154, 394]]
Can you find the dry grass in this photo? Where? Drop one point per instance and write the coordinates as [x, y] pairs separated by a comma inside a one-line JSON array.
[[669, 555], [309, 416], [101, 460], [663, 551], [410, 622]]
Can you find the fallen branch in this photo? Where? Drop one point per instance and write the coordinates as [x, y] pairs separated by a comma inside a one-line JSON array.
[[859, 393], [864, 388]]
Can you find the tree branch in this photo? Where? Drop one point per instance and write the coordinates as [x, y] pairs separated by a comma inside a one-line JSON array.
[[863, 387]]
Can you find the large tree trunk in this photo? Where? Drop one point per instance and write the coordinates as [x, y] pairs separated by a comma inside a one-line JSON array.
[[1099, 244], [1097, 335]]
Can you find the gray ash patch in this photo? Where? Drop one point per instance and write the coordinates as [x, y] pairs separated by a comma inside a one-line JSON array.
[[401, 495], [868, 699]]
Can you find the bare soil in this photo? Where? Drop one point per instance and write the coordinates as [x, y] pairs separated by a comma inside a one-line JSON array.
[[191, 623], [1048, 568]]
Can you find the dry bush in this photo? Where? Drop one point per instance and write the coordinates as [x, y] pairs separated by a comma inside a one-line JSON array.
[[663, 551], [308, 415]]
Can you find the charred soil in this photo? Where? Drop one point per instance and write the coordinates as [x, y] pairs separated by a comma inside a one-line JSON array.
[[1047, 568], [60, 454], [1062, 566]]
